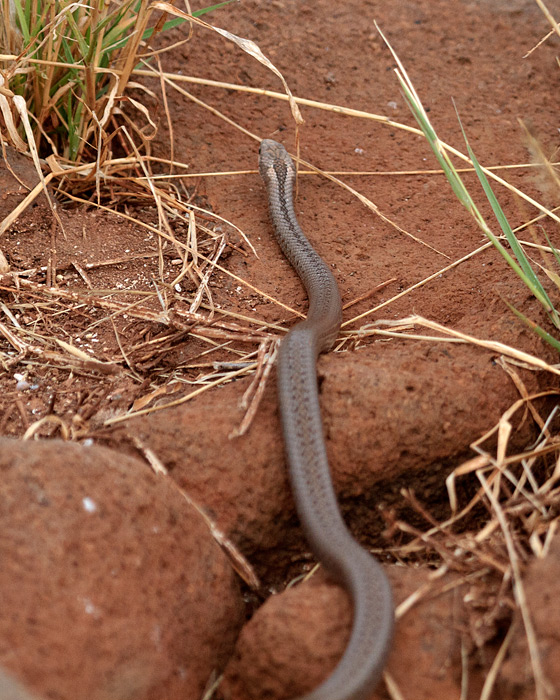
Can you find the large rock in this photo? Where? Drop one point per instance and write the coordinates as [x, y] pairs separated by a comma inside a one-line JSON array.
[[296, 638], [391, 419], [111, 585]]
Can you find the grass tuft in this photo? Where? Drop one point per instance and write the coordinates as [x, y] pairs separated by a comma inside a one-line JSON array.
[[71, 62]]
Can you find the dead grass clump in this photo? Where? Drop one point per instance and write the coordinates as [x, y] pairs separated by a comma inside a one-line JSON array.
[[520, 496], [67, 72]]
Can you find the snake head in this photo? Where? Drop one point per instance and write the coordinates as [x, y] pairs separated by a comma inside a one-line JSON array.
[[274, 161]]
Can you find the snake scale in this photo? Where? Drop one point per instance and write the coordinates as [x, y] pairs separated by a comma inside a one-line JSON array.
[[360, 668]]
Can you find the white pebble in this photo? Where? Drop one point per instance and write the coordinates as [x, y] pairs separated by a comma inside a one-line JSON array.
[[89, 504]]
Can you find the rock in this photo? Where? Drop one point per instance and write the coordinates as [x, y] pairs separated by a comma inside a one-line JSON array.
[[540, 583], [391, 420], [290, 644], [242, 482], [112, 587], [295, 639]]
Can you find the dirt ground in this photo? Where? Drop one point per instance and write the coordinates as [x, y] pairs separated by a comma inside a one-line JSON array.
[[119, 337]]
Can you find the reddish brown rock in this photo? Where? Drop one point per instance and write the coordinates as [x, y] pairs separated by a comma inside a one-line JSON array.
[[242, 482], [111, 585], [290, 644], [296, 638], [540, 583], [391, 420]]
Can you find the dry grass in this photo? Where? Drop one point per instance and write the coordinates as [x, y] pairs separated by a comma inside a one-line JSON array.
[[520, 498], [76, 176]]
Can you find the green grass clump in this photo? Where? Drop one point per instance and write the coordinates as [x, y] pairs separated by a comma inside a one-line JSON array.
[[72, 62]]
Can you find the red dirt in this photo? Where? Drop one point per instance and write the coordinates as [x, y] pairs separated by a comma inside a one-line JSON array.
[[398, 413]]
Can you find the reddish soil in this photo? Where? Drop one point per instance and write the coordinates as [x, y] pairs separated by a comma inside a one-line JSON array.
[[399, 413]]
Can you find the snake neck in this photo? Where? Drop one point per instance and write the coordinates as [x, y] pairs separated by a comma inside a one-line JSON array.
[[325, 305]]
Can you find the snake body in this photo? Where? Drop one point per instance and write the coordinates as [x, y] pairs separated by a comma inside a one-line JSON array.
[[346, 561]]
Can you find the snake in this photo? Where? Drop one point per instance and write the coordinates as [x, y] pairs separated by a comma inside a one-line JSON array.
[[345, 560]]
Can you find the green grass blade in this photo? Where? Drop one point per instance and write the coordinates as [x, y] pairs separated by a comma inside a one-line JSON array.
[[552, 248], [71, 73], [211, 8], [78, 36], [550, 339], [530, 278], [520, 263], [175, 22], [517, 260], [429, 132], [118, 35], [453, 176], [112, 20], [23, 22], [74, 115]]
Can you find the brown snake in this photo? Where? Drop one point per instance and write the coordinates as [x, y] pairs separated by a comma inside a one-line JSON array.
[[353, 567]]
